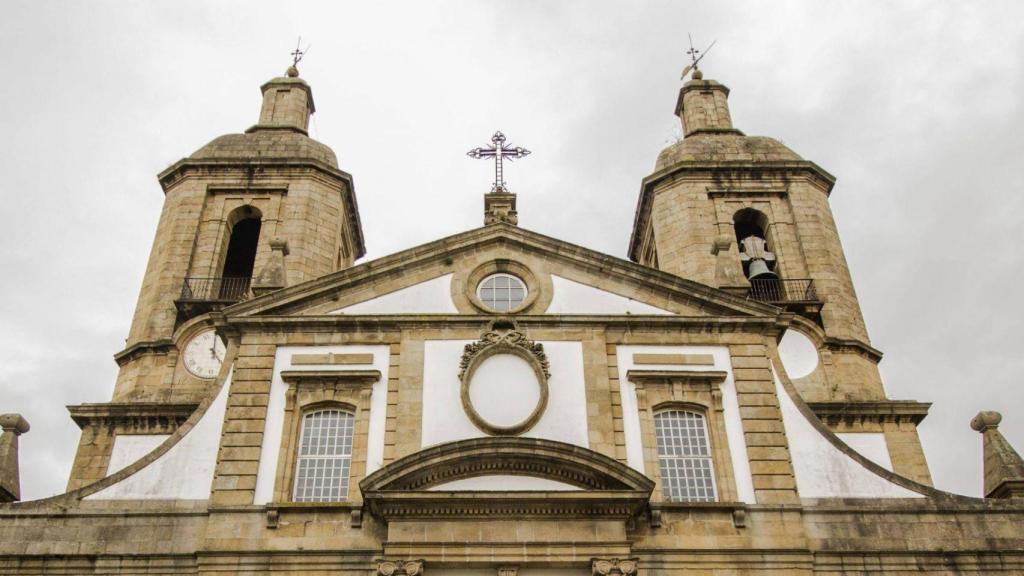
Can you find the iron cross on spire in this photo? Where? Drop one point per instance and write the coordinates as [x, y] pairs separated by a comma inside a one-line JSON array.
[[499, 151], [298, 53]]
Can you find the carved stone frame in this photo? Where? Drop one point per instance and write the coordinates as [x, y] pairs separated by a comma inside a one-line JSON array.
[[313, 389], [493, 343], [698, 391]]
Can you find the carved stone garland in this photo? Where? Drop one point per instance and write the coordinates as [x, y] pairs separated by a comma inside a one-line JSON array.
[[613, 566], [400, 568], [494, 342]]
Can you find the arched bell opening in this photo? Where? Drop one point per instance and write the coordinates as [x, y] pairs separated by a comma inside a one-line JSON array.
[[759, 263], [244, 225]]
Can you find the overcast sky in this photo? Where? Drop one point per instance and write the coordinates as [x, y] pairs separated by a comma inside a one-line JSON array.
[[916, 107]]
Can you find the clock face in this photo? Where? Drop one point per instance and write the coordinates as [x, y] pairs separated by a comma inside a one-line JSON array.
[[204, 354]]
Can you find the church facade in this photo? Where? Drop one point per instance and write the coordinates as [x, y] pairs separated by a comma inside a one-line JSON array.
[[500, 402]]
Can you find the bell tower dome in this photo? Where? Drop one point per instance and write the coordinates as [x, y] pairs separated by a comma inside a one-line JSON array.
[[244, 215], [748, 215]]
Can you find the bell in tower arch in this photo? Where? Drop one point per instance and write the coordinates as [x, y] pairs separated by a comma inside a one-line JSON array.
[[759, 270], [758, 260]]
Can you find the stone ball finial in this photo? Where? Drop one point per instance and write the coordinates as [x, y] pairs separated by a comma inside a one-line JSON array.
[[14, 423], [697, 75], [986, 419], [292, 72]]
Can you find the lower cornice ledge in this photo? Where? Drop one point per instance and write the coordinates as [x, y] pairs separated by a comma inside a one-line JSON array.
[[605, 504]]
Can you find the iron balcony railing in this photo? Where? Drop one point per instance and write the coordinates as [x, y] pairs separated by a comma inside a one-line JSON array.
[[215, 289], [774, 290]]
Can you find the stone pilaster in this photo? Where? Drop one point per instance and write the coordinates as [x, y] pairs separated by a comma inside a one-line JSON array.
[[771, 467]]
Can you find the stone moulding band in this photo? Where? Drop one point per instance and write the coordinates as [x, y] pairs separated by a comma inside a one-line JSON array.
[[494, 343]]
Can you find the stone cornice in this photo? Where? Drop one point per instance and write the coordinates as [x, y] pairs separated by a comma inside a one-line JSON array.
[[329, 322], [183, 169], [143, 348], [897, 411], [838, 345], [149, 416], [705, 377], [607, 505], [648, 185], [356, 378], [180, 169]]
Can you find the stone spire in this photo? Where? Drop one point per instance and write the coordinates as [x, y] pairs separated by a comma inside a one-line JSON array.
[[1004, 469], [13, 425], [287, 104], [703, 106]]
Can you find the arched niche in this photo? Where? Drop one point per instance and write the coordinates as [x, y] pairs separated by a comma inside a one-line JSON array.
[[243, 234]]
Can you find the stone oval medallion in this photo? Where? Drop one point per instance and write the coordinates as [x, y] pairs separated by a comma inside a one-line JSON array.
[[504, 383]]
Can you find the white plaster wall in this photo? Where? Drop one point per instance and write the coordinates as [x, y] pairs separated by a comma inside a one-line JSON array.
[[871, 445], [730, 405], [444, 419], [430, 297], [185, 471], [824, 471], [128, 448], [502, 482], [798, 354], [574, 298], [273, 431]]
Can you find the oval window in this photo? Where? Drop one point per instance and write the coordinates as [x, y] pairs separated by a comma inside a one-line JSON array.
[[502, 292]]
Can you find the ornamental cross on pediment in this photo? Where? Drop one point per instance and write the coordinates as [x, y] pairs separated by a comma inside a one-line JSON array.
[[499, 150]]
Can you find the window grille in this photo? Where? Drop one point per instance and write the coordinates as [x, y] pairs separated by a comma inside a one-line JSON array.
[[502, 292], [325, 456], [684, 456]]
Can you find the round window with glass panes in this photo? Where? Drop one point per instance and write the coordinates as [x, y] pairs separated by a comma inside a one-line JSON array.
[[502, 292]]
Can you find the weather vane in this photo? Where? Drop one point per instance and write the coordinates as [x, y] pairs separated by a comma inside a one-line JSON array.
[[695, 56], [499, 151], [297, 55]]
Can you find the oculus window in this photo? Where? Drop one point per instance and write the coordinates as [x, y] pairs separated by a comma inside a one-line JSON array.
[[325, 456], [502, 292], [684, 456]]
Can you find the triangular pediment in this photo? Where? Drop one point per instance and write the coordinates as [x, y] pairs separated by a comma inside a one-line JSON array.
[[439, 278]]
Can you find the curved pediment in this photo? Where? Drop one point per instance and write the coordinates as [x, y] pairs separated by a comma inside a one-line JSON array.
[[415, 486], [547, 459]]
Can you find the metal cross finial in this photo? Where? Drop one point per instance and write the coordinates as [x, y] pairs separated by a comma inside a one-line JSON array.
[[695, 56], [499, 151], [693, 52], [298, 53]]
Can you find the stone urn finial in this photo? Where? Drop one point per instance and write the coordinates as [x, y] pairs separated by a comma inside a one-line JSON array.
[[13, 425], [1004, 469]]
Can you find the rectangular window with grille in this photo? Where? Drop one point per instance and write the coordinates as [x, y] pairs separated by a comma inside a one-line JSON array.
[[325, 456], [684, 456]]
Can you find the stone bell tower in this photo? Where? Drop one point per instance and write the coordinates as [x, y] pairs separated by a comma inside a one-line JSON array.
[[244, 215], [748, 215]]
